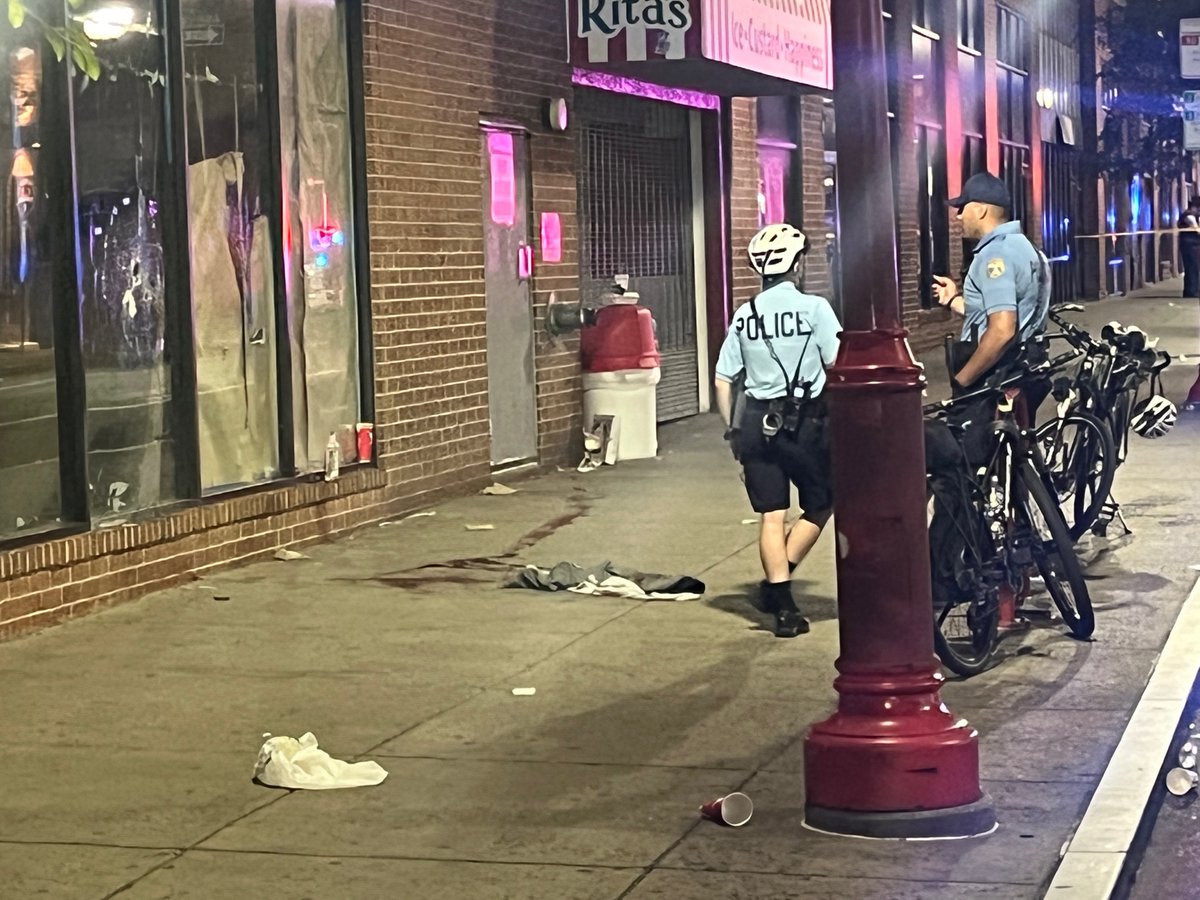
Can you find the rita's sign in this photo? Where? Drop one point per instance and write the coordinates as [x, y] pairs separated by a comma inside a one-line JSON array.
[[783, 39]]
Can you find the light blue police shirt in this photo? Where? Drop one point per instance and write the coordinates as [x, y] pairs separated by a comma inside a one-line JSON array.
[[791, 320], [1005, 275]]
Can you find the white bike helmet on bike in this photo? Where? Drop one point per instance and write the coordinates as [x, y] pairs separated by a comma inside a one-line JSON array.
[[1154, 417], [776, 249]]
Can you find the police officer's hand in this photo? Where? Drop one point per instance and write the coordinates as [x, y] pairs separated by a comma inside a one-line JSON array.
[[945, 289]]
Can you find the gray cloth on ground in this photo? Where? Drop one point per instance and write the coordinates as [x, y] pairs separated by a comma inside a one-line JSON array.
[[568, 576]]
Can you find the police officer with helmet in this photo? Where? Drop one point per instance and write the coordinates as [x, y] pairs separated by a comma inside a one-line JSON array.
[[780, 343]]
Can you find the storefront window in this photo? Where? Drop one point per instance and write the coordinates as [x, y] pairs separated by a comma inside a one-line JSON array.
[[149, 319], [319, 264], [233, 307], [118, 130], [30, 495]]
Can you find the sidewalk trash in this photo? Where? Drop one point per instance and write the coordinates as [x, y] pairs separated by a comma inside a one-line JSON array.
[[1181, 781], [608, 579], [733, 809], [524, 692], [480, 527], [749, 521], [302, 765], [333, 458], [600, 444], [221, 598], [498, 490], [285, 555], [417, 515]]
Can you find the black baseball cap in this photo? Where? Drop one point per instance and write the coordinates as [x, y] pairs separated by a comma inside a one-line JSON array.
[[984, 188]]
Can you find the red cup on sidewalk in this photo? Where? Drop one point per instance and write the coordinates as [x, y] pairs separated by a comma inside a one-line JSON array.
[[733, 810]]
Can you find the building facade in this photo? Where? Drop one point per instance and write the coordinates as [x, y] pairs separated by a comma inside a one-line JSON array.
[[302, 234]]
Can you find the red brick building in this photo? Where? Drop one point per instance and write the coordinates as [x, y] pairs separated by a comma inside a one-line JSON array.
[[371, 236]]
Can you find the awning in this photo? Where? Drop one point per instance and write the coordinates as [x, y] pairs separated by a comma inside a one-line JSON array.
[[729, 47], [1058, 128]]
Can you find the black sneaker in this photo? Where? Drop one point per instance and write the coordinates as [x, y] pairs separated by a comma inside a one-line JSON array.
[[789, 623]]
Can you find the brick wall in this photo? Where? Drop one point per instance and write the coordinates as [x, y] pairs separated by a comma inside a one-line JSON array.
[[812, 177], [743, 198], [430, 71]]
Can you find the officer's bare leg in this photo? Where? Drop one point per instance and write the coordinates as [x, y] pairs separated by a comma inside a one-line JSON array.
[[803, 536], [772, 546]]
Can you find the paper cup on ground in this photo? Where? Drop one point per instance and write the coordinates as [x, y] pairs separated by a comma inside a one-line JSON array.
[[733, 809], [1180, 781]]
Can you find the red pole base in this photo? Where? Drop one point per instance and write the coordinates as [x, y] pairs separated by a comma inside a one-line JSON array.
[[889, 757], [893, 761]]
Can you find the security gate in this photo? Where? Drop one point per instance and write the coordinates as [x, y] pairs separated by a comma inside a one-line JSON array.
[[635, 207]]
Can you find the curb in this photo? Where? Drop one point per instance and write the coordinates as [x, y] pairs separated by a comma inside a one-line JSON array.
[[1095, 857]]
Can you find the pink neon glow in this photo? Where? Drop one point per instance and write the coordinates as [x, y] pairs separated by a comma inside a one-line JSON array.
[[773, 165], [619, 84], [551, 237], [504, 179], [525, 262]]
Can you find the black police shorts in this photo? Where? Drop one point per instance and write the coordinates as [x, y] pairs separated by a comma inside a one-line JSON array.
[[772, 465]]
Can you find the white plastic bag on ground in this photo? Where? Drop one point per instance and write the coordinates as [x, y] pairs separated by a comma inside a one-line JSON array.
[[290, 763]]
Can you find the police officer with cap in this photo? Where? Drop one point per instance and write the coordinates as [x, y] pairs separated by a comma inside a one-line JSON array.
[[1006, 293], [781, 343], [1004, 302]]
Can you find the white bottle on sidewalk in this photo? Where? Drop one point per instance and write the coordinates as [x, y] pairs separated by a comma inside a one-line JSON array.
[[333, 457]]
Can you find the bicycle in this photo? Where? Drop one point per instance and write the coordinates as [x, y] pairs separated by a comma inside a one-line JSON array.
[[1098, 403], [1011, 525]]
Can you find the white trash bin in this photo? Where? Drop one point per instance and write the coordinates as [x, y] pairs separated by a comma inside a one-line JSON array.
[[627, 394]]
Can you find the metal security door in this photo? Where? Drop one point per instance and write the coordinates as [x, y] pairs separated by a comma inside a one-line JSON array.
[[635, 197], [508, 266]]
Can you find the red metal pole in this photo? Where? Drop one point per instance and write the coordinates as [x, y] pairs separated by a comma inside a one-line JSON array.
[[893, 761]]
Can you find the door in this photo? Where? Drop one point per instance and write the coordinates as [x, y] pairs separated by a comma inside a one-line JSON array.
[[635, 199], [508, 267]]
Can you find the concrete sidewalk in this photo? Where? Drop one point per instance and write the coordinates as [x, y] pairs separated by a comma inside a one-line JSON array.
[[129, 737]]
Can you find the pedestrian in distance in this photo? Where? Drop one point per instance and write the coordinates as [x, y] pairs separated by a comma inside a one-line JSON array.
[[777, 350], [1189, 248]]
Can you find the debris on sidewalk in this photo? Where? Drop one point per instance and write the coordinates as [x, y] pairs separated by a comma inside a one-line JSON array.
[[607, 579], [480, 527], [749, 521], [1183, 778], [301, 765], [498, 490], [733, 810], [599, 444], [285, 555], [425, 514], [524, 692]]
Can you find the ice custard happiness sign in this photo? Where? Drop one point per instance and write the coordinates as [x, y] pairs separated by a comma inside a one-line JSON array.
[[785, 39]]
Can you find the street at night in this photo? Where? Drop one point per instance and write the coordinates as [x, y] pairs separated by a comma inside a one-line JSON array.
[[525, 450]]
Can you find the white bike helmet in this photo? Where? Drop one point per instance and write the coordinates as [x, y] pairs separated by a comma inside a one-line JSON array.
[[775, 250], [1154, 417]]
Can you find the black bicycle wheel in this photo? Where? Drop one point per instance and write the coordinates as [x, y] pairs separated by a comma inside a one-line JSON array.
[[967, 613], [1081, 458], [964, 635], [1053, 552]]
